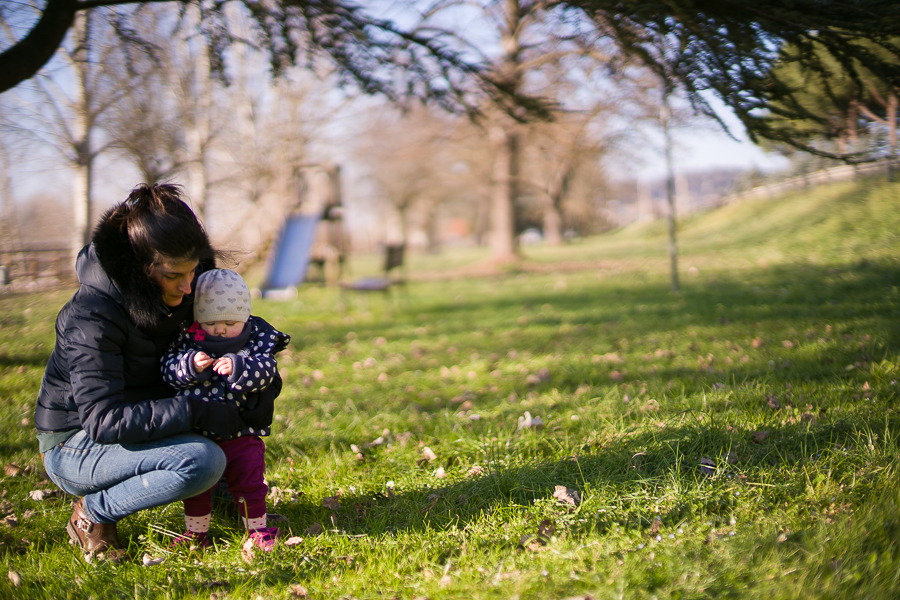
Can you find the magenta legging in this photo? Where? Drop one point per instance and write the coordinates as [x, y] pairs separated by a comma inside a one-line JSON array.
[[244, 471]]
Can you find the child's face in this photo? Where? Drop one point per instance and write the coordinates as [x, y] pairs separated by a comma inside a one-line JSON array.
[[225, 329]]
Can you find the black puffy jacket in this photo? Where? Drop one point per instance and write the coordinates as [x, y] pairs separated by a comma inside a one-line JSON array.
[[103, 375]]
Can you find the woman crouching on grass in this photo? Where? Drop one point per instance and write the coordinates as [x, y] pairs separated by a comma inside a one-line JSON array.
[[109, 429]]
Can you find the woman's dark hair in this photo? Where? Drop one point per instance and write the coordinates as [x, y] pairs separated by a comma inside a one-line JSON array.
[[162, 227]]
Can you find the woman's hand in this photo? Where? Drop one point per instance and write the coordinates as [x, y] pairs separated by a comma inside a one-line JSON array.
[[219, 420], [201, 361]]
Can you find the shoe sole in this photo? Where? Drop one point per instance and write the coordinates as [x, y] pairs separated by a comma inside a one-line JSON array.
[[73, 537]]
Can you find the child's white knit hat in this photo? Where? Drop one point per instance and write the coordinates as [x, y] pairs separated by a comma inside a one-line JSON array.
[[222, 295]]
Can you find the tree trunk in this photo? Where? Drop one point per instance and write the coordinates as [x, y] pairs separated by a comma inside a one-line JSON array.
[[552, 224], [196, 136], [503, 194], [81, 136], [670, 191], [892, 134]]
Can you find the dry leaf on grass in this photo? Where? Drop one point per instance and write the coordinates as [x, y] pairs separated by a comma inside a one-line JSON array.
[[293, 541], [773, 402], [654, 529], [475, 471], [331, 502], [529, 422], [440, 473], [149, 561], [432, 500], [15, 579], [40, 495], [566, 495], [707, 467], [429, 454], [760, 436], [546, 530], [315, 529], [298, 591], [12, 470], [247, 550]]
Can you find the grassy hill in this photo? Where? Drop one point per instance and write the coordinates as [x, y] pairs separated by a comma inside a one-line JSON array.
[[738, 439]]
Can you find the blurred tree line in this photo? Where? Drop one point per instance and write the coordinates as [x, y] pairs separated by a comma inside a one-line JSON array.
[[523, 102]]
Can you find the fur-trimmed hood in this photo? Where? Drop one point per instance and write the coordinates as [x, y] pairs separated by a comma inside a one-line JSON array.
[[110, 264]]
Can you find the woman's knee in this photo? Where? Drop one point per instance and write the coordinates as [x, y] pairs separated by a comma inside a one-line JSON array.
[[203, 463]]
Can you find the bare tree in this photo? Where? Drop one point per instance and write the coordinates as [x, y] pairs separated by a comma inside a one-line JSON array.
[[64, 114], [405, 157]]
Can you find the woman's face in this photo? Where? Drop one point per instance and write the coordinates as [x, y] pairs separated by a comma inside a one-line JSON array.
[[175, 279]]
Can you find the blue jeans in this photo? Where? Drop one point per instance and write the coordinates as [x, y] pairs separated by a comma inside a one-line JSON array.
[[119, 480]]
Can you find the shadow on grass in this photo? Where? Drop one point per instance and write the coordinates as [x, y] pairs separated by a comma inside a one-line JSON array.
[[804, 292], [19, 360]]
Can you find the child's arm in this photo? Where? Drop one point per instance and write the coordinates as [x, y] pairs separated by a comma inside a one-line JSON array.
[[248, 373]]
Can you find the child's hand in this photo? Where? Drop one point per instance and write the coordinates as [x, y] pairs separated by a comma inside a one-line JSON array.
[[201, 361], [223, 366]]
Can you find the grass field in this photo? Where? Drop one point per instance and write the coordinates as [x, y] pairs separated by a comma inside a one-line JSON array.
[[568, 428]]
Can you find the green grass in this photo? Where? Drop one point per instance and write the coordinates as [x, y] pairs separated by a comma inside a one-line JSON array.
[[791, 301]]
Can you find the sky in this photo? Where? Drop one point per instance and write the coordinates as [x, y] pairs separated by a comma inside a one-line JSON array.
[[705, 146]]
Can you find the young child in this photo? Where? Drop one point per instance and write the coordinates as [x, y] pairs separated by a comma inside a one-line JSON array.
[[227, 355]]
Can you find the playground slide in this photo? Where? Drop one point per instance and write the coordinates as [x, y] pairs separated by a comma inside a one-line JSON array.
[[292, 250]]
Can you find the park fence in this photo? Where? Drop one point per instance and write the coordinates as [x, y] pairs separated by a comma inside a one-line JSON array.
[[33, 269], [807, 180]]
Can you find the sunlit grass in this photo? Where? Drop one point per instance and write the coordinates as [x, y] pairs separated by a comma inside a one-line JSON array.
[[738, 439]]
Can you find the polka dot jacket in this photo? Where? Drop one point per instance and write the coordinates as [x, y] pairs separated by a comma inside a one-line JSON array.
[[252, 354]]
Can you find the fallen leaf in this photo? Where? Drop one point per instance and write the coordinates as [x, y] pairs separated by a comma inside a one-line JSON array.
[[544, 375], [293, 541], [760, 436], [432, 500], [12, 470], [429, 454], [331, 502], [6, 507], [10, 521], [566, 495], [15, 579], [532, 379], [758, 342], [440, 473], [787, 344], [809, 418], [546, 530], [315, 529], [707, 467], [529, 422], [654, 529], [445, 580], [616, 376], [247, 550], [475, 471], [41, 495], [150, 561], [298, 591], [773, 402]]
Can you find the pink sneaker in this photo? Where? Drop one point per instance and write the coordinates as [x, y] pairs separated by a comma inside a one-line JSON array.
[[264, 538], [192, 538]]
